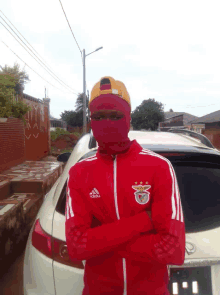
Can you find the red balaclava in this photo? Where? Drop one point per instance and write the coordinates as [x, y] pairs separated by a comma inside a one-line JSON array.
[[112, 136]]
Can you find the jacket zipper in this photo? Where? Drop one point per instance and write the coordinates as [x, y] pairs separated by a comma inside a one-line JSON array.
[[118, 217]]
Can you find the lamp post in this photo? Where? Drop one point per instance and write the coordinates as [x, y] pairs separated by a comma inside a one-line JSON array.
[[84, 87]]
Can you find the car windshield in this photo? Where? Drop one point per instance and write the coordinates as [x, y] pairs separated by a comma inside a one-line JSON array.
[[199, 185]]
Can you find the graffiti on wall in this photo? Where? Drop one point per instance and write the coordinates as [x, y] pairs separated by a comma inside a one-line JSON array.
[[36, 129]]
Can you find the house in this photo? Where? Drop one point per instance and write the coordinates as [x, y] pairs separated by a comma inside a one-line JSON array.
[[208, 125], [176, 120], [54, 123]]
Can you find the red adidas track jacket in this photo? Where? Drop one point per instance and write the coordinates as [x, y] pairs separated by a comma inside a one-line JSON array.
[[107, 224]]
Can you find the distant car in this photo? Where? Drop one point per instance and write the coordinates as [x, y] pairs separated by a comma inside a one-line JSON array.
[[47, 267]]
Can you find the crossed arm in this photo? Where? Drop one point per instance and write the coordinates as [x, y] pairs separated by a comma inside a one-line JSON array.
[[157, 236]]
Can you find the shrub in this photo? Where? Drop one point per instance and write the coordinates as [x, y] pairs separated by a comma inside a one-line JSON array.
[[19, 109], [9, 108], [59, 131]]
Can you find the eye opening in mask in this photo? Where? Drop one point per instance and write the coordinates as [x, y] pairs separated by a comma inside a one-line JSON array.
[[107, 114]]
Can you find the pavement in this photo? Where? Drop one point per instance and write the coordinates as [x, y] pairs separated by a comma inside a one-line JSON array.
[[22, 191], [11, 282]]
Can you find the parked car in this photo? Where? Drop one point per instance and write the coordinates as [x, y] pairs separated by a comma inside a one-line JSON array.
[[47, 267]]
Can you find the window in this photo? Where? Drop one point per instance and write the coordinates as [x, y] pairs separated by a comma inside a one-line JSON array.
[[199, 186]]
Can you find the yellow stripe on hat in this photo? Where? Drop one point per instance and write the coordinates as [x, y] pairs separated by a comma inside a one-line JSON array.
[[117, 87]]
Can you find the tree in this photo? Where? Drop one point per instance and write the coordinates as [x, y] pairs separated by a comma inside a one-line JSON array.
[[7, 85], [20, 75], [148, 115], [79, 103], [8, 106], [73, 118], [171, 110]]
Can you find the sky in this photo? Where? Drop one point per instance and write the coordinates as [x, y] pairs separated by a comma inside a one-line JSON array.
[[166, 50]]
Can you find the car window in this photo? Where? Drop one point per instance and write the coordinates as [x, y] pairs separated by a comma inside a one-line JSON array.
[[199, 187]]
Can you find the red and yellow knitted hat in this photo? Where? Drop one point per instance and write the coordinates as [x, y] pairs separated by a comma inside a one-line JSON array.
[[108, 85]]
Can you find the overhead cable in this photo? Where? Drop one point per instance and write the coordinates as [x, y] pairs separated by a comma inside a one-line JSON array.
[[32, 48], [34, 70], [57, 79], [70, 27]]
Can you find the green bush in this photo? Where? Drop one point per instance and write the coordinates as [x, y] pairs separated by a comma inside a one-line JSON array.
[[19, 109], [9, 108], [5, 111], [78, 134], [57, 133]]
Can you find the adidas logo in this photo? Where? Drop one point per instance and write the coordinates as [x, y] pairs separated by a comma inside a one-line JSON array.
[[94, 193]]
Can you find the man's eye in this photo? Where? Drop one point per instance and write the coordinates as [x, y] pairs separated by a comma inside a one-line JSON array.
[[116, 117], [98, 118]]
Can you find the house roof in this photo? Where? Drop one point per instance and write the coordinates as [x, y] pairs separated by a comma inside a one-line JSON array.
[[169, 115], [212, 117], [52, 118]]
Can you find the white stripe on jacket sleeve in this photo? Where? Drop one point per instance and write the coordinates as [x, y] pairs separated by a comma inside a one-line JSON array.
[[175, 196], [69, 202], [67, 209]]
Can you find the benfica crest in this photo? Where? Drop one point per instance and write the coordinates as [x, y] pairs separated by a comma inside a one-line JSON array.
[[141, 194]]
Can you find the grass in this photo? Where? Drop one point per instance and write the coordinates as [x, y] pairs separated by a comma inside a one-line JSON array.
[[66, 151]]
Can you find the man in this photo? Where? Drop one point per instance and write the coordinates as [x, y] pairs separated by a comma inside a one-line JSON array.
[[123, 210]]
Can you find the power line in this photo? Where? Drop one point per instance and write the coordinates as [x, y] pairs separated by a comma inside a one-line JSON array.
[[190, 106], [35, 55], [70, 27], [200, 106], [30, 46], [33, 70]]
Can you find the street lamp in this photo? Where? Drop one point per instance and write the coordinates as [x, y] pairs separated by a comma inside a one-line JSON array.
[[84, 87]]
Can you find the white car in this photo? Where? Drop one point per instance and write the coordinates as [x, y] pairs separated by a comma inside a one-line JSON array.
[[47, 267]]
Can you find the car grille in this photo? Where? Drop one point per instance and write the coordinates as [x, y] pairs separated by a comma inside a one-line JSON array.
[[190, 281]]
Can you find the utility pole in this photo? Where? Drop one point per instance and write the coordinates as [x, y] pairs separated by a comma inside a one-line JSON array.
[[88, 104], [84, 92], [84, 87]]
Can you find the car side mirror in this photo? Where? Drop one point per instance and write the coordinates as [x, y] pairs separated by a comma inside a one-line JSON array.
[[63, 157]]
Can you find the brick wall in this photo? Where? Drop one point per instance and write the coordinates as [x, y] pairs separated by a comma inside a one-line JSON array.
[[12, 139]]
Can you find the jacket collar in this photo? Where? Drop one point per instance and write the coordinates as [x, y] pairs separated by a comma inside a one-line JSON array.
[[134, 148]]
